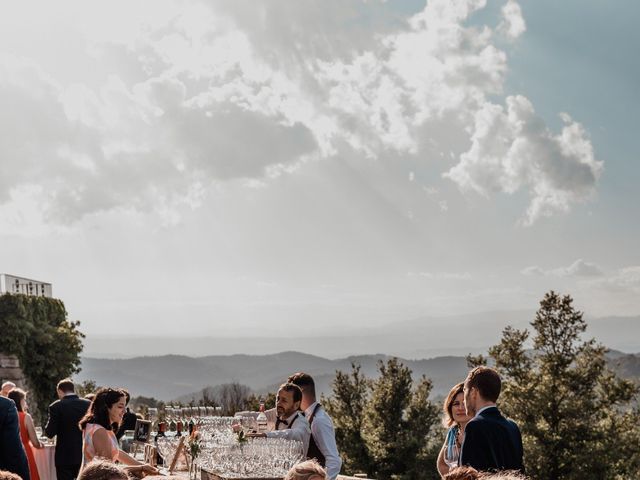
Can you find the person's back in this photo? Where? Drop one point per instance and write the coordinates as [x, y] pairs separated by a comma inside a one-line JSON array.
[[495, 441], [64, 415], [491, 442], [129, 421], [12, 454]]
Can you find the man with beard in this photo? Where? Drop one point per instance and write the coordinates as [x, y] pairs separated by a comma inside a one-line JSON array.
[[322, 444], [289, 423], [491, 442]]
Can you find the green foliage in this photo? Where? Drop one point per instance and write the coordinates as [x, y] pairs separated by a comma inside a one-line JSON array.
[[85, 388], [574, 414], [36, 330], [385, 426], [346, 408], [252, 403], [148, 402]]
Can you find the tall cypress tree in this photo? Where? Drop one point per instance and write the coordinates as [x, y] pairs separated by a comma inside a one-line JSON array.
[[385, 426], [575, 415]]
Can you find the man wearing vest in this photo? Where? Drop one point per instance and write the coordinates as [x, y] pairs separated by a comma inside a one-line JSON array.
[[322, 444], [290, 422]]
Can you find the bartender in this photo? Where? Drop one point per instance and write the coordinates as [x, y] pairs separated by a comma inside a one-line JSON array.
[[290, 423]]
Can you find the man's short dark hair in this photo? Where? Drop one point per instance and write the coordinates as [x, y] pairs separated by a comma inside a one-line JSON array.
[[486, 380], [66, 386], [292, 387], [304, 381], [127, 395]]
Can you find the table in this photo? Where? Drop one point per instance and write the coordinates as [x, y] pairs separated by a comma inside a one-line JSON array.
[[207, 475], [45, 461]]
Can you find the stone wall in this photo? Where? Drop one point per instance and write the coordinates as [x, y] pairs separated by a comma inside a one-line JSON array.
[[10, 370]]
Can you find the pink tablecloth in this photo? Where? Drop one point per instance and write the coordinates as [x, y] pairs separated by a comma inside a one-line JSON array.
[[45, 462]]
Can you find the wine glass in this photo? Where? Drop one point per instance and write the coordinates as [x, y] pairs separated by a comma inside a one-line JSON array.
[[452, 455]]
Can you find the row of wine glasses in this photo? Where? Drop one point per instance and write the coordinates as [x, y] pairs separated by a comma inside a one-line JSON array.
[[255, 458], [222, 451], [174, 415]]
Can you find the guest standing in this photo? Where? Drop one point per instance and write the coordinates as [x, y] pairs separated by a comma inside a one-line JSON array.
[[27, 430], [12, 455], [290, 423], [99, 426], [455, 419], [491, 442], [6, 388], [322, 443], [129, 419], [64, 415]]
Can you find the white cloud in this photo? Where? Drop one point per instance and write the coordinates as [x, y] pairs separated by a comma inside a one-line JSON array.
[[195, 94], [533, 270], [512, 24], [625, 280], [512, 149], [441, 275], [579, 268]]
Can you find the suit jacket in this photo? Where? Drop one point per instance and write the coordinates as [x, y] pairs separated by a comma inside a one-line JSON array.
[[12, 455], [64, 416], [491, 442]]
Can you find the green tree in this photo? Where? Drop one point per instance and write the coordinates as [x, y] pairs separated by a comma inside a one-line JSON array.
[[573, 412], [252, 402], [37, 331], [346, 407], [85, 388], [385, 426]]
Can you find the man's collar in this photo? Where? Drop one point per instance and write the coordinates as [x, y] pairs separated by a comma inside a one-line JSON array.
[[70, 394], [309, 410], [290, 419], [485, 408]]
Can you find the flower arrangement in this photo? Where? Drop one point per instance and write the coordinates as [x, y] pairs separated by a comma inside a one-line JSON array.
[[242, 437], [194, 449]]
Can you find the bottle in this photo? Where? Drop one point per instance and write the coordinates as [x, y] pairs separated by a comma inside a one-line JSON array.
[[161, 433], [262, 419], [162, 427]]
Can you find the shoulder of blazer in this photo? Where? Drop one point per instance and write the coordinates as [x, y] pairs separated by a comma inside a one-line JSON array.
[[491, 414], [5, 405]]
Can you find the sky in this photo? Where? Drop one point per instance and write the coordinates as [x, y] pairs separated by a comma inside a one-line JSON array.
[[299, 167]]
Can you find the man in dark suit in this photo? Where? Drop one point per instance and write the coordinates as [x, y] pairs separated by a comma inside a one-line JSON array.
[[12, 456], [491, 442], [64, 415]]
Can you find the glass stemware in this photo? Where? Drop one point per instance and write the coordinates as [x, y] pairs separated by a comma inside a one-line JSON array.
[[452, 455]]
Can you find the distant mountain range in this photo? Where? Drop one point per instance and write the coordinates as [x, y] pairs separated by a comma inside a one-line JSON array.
[[169, 377], [424, 337]]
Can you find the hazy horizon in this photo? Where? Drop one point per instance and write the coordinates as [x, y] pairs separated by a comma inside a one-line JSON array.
[[416, 338]]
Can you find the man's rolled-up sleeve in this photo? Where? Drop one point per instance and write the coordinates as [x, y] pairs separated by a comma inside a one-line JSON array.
[[325, 438]]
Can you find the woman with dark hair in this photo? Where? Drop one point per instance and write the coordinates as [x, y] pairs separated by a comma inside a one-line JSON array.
[[455, 419], [99, 426], [27, 430]]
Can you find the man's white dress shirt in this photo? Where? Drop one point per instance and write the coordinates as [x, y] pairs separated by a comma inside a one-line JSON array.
[[325, 438], [297, 428]]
